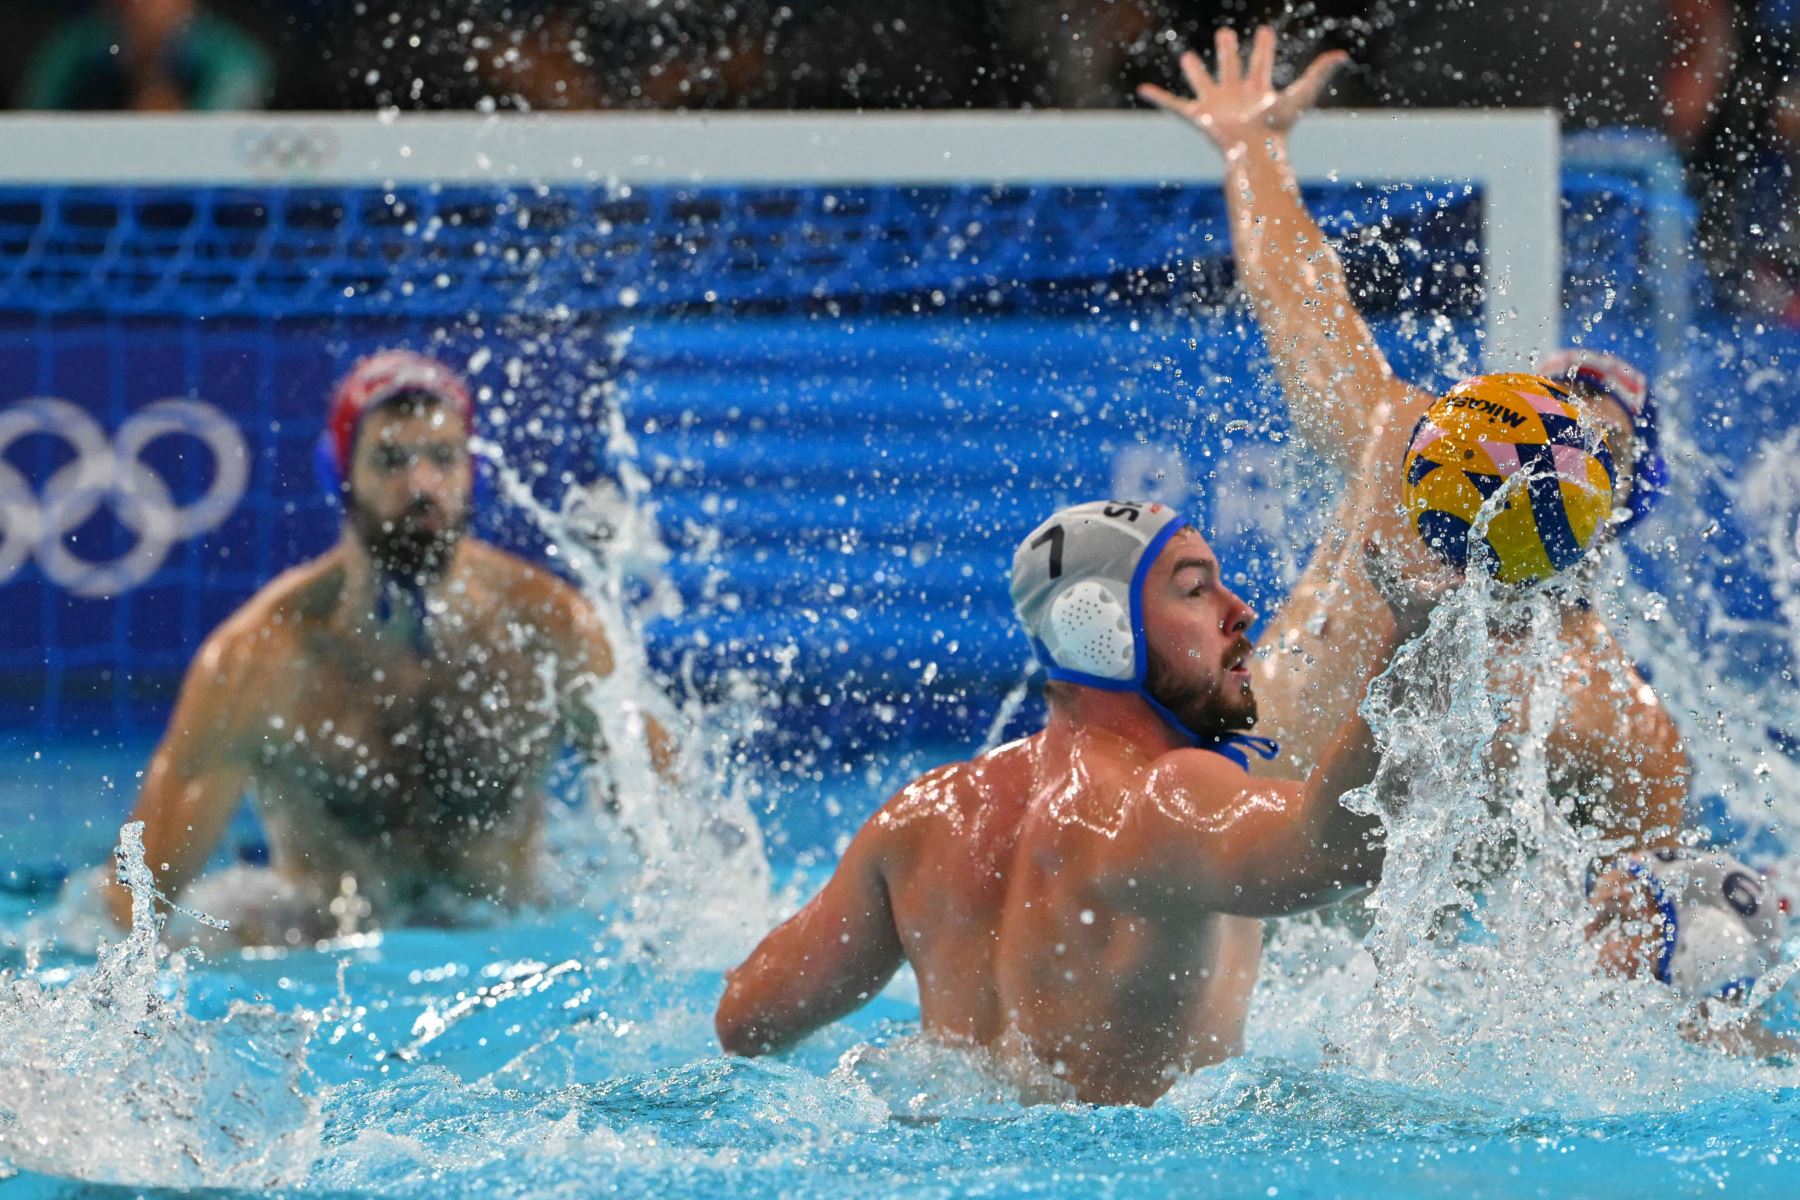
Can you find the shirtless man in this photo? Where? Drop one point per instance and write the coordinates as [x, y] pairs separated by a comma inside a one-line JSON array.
[[1615, 757], [1087, 900], [391, 705], [1695, 920]]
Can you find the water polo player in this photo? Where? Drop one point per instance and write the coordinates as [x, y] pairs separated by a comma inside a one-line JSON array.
[[1616, 759], [1699, 921], [391, 706], [1084, 903]]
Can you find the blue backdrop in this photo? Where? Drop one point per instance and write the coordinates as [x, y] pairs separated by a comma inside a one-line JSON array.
[[849, 402]]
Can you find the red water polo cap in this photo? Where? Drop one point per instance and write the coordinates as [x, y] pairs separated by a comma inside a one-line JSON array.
[[383, 376]]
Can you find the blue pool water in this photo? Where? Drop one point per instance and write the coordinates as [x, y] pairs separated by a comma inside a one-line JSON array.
[[605, 1080], [562, 1053]]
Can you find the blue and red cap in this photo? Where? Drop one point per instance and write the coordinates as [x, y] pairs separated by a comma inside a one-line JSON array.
[[374, 380], [1611, 376], [382, 378]]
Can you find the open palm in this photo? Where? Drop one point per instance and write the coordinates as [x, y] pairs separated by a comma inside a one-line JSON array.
[[1242, 104]]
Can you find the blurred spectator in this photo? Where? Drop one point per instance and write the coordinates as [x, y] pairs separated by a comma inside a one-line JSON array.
[[148, 56], [1714, 76], [1648, 64], [1753, 164]]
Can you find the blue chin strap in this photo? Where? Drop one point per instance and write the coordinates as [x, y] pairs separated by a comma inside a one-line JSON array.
[[1235, 746], [412, 598]]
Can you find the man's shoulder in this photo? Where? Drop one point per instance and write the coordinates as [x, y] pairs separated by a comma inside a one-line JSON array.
[[1192, 780], [937, 793], [277, 616], [944, 795], [523, 588]]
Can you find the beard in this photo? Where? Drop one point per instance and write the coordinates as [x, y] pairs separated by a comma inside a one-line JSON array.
[[1208, 708], [406, 548]]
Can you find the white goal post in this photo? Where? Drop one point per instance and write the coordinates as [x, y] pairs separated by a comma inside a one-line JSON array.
[[1513, 157]]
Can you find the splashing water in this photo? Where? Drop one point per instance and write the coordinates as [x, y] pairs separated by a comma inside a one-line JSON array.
[[108, 1077], [1727, 679], [1475, 974], [702, 889]]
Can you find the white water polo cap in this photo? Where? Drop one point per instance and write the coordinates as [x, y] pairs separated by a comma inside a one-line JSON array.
[[1078, 587], [1078, 582], [1721, 925]]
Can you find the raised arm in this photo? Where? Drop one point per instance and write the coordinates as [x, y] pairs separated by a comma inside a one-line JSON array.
[[197, 775], [824, 963], [1340, 388]]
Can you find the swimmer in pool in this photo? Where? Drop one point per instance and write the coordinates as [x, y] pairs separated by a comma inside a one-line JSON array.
[[392, 705], [1616, 759], [1085, 903]]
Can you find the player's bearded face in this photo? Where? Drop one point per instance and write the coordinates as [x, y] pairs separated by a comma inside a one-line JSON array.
[[1197, 654], [408, 502], [416, 544], [1209, 700]]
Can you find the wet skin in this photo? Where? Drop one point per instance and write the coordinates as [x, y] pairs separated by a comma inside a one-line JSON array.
[[1615, 757], [407, 756], [1086, 899]]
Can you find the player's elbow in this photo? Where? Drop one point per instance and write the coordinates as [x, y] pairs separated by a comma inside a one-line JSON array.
[[735, 1032], [738, 1025]]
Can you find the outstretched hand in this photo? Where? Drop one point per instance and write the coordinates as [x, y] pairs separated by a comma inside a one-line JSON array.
[[1242, 106]]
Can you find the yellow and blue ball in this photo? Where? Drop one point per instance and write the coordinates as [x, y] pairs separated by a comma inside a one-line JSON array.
[[1524, 434]]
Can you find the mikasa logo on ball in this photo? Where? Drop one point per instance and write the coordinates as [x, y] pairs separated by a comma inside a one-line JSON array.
[[1499, 412]]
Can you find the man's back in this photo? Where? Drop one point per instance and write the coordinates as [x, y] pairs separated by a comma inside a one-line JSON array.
[[1104, 976], [1011, 887], [1085, 901]]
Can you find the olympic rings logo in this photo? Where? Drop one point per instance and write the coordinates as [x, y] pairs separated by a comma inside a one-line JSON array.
[[286, 149], [111, 472]]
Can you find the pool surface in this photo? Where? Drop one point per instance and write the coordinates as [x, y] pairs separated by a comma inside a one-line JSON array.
[[566, 1054]]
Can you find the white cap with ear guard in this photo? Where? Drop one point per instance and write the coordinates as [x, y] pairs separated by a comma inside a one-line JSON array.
[[1077, 584]]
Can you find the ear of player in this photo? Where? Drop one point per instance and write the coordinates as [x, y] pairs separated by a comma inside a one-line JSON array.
[[1523, 439]]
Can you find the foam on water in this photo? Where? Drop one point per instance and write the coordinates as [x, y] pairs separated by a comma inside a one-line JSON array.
[[109, 1077], [1475, 976]]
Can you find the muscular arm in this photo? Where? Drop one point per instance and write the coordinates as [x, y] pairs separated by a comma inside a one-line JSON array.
[[1340, 389], [824, 963], [1260, 848], [196, 777], [1228, 843]]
